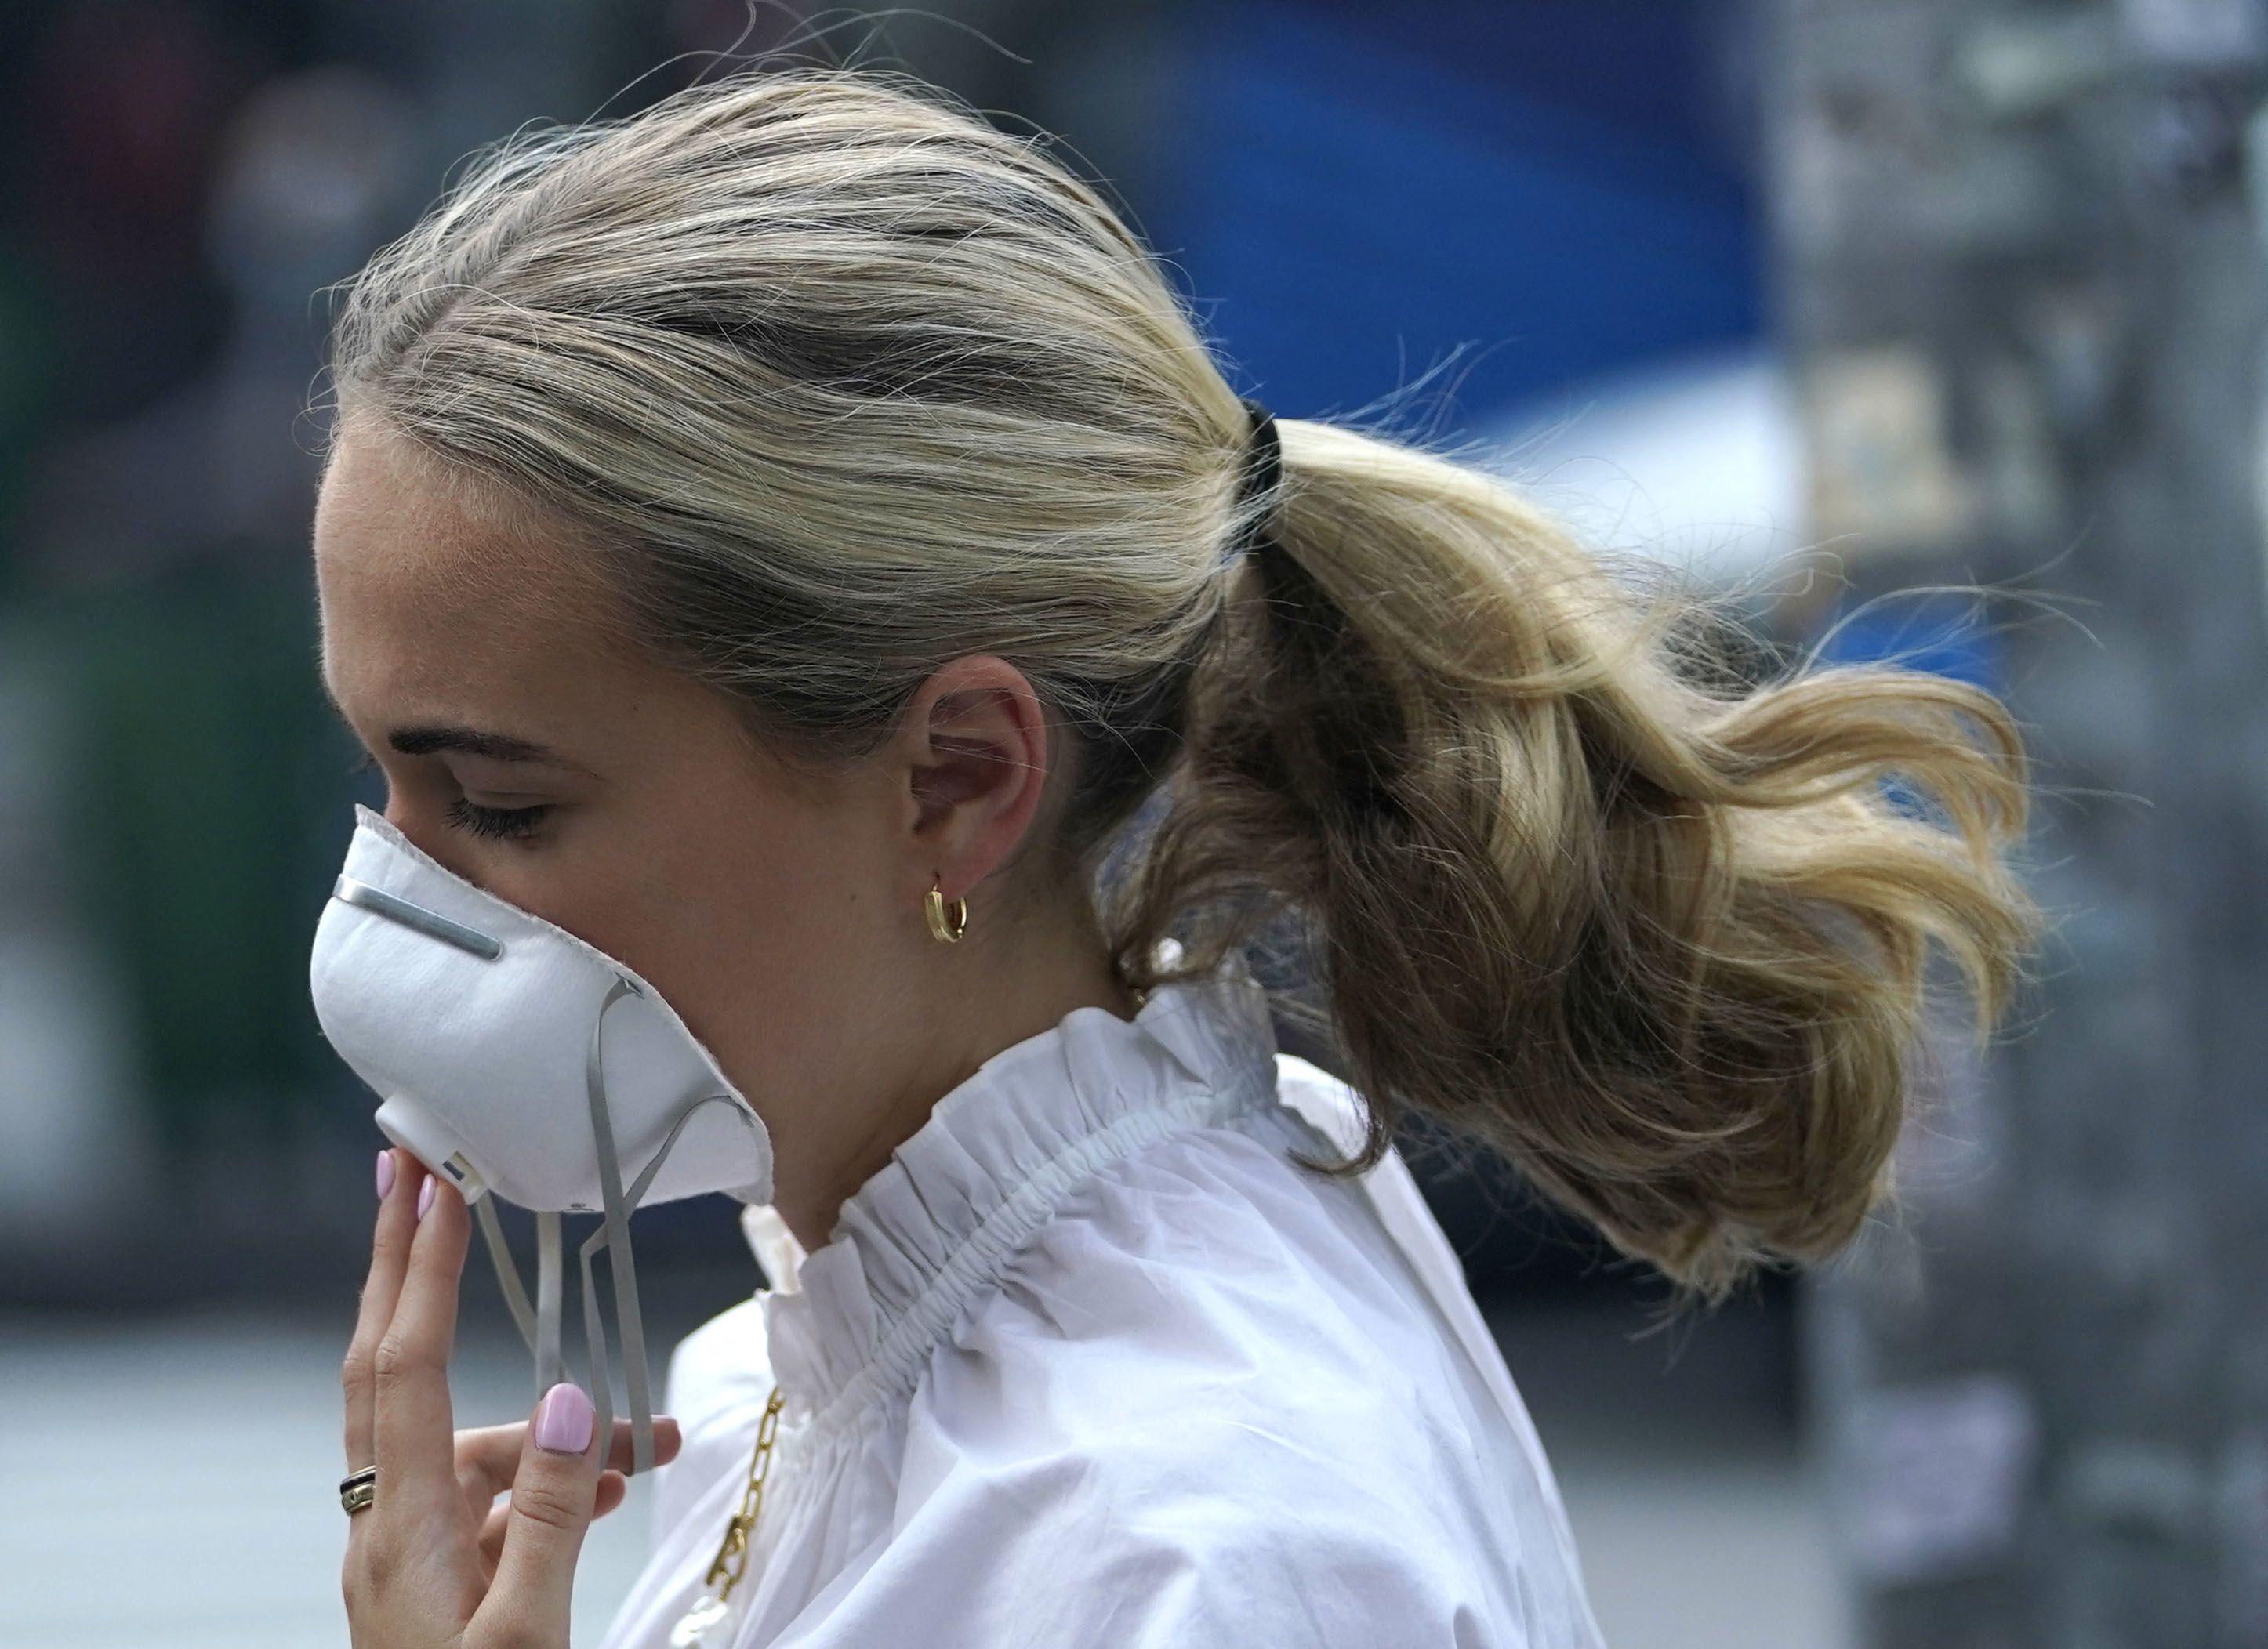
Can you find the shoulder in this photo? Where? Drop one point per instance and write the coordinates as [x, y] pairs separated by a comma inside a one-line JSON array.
[[1208, 1402], [1204, 1382], [1200, 1524]]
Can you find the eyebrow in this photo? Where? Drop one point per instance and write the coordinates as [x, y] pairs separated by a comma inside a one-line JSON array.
[[502, 747], [426, 738]]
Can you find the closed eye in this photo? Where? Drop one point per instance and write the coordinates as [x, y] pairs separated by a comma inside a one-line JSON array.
[[501, 823], [496, 823]]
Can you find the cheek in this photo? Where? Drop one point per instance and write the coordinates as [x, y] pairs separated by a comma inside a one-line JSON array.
[[791, 897], [766, 929]]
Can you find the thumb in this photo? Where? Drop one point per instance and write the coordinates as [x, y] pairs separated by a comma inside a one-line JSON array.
[[552, 1498]]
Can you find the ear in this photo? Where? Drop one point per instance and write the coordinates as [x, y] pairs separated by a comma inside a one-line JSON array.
[[973, 743]]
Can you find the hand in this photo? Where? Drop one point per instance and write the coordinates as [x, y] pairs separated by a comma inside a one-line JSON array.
[[433, 1563]]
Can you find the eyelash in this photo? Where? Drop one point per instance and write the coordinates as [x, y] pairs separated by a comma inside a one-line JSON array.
[[496, 823]]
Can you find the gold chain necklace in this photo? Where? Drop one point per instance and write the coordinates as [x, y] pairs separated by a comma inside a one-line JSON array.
[[701, 1627]]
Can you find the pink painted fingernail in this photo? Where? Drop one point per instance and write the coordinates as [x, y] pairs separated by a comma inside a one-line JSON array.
[[425, 1198], [565, 1419], [385, 1174]]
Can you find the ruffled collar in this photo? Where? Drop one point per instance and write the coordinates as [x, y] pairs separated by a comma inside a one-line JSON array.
[[858, 1316]]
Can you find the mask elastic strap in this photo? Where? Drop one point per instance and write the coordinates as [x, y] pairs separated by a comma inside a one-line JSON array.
[[539, 1326], [631, 1329], [515, 1292], [614, 1234], [550, 1366]]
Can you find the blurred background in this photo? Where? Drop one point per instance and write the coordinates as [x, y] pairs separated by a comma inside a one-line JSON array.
[[1829, 302]]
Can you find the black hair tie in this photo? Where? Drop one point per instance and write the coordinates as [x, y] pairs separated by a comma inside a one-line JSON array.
[[1263, 478]]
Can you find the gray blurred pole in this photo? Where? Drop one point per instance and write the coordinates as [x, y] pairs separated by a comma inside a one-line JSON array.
[[2020, 267]]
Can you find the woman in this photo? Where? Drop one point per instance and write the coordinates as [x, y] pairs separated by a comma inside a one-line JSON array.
[[775, 545]]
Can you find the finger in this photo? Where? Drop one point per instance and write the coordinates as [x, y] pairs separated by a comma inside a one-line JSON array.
[[400, 1175], [487, 1455], [413, 1430], [553, 1495], [491, 1543], [614, 1489]]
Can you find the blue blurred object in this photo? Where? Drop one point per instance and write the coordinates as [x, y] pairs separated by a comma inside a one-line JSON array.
[[1937, 633], [1356, 197]]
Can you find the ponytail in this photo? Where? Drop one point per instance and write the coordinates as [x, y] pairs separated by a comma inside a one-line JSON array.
[[1659, 940]]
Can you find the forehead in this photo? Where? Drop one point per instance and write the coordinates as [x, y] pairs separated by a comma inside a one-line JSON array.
[[435, 599]]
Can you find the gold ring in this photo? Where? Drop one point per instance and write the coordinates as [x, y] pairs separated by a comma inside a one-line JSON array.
[[358, 1489]]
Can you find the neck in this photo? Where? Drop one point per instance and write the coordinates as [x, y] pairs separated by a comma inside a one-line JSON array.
[[990, 993]]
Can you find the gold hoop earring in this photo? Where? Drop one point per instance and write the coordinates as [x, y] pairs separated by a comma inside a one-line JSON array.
[[947, 928]]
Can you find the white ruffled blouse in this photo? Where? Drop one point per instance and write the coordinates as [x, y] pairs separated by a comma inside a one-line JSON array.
[[1093, 1362]]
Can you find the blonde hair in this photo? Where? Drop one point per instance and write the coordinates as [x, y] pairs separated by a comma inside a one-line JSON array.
[[845, 383]]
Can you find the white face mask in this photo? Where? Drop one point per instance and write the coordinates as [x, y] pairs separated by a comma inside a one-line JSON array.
[[518, 1061]]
